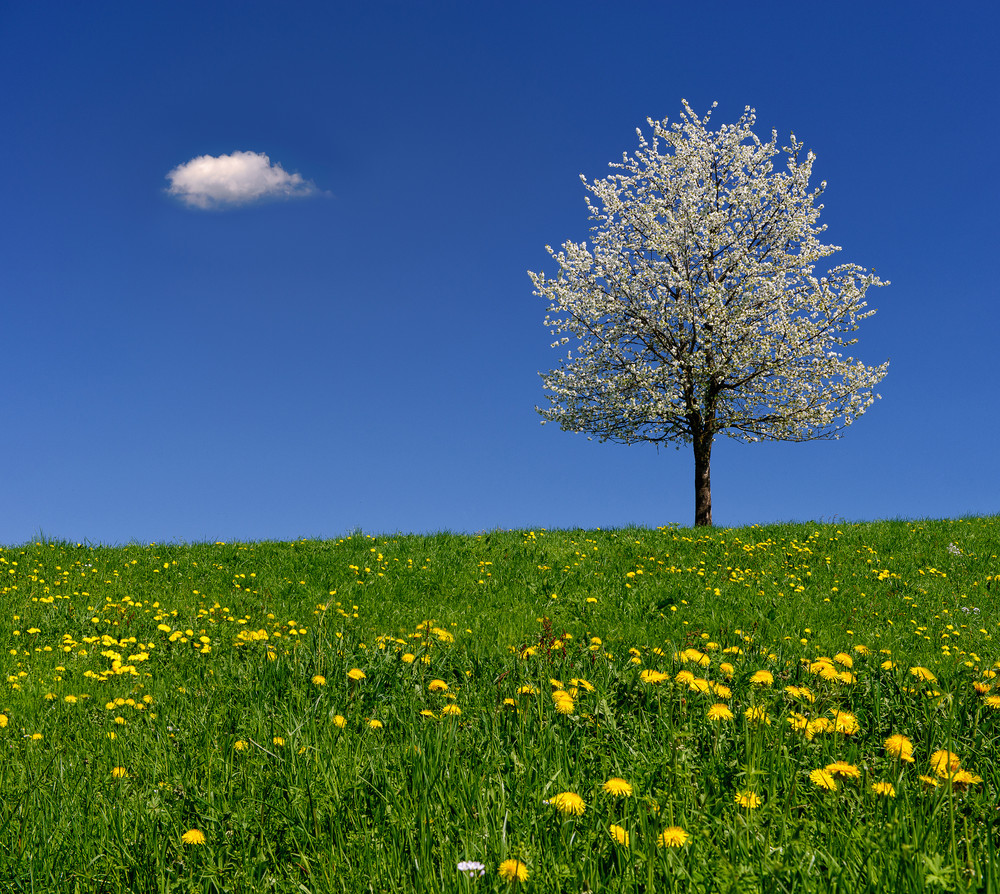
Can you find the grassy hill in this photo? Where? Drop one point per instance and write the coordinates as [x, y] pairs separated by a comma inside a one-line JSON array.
[[796, 707]]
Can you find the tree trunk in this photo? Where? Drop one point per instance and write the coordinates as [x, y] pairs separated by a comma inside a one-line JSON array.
[[703, 479]]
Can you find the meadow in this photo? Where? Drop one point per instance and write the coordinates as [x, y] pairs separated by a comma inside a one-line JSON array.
[[809, 707]]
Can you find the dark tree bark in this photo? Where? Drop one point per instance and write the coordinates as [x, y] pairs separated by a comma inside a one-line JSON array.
[[703, 479], [702, 426]]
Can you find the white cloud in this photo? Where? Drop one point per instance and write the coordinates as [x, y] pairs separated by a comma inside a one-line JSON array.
[[214, 182]]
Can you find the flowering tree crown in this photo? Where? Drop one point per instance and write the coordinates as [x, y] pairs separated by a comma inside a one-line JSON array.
[[697, 309]]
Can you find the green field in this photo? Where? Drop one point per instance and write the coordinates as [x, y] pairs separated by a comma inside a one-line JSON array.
[[781, 708]]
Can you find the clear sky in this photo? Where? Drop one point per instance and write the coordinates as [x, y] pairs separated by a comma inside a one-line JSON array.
[[359, 347]]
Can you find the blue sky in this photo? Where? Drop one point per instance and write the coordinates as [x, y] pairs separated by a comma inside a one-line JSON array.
[[367, 355]]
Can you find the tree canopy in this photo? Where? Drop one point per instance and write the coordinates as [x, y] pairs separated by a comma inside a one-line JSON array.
[[697, 309]]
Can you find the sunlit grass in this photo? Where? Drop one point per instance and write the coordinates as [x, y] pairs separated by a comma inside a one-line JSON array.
[[799, 707]]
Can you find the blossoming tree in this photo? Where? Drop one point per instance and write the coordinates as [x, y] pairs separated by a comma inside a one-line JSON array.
[[696, 312]]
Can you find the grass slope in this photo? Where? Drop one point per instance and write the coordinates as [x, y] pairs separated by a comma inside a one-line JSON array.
[[634, 710]]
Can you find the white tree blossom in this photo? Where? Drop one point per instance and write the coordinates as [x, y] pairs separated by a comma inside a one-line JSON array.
[[697, 309]]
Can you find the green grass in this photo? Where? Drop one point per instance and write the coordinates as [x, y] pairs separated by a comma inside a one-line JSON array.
[[154, 690]]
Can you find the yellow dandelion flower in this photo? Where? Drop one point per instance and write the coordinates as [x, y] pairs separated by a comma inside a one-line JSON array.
[[722, 691], [375, 724], [981, 688], [929, 781], [564, 705], [408, 658], [900, 748], [71, 699], [885, 789], [119, 772], [619, 835], [823, 779], [355, 674], [964, 777], [3, 720], [617, 787], [569, 803], [888, 664], [684, 676], [842, 768], [319, 680], [193, 836], [757, 714], [944, 763], [437, 686], [845, 722], [699, 685], [921, 673], [582, 684], [36, 737], [673, 836], [513, 871], [762, 678], [278, 742], [747, 799], [844, 659], [239, 745], [828, 671], [451, 710], [798, 721], [992, 701], [527, 690], [719, 712], [339, 721]]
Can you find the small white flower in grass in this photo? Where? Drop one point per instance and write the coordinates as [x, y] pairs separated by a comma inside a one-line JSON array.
[[472, 868]]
